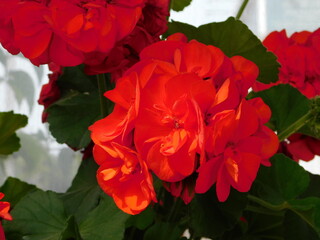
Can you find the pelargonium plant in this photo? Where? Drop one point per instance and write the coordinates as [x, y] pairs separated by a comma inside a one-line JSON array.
[[185, 132]]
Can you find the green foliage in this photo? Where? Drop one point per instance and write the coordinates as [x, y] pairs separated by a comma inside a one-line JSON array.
[[280, 188], [179, 5], [312, 127], [14, 189], [234, 38], [84, 193], [38, 216], [71, 231], [163, 231], [290, 108], [211, 218], [9, 123], [78, 108], [106, 221], [69, 122], [284, 181], [142, 220]]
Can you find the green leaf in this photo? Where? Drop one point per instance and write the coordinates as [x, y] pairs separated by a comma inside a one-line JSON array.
[[74, 79], [23, 87], [280, 187], [38, 216], [83, 195], [9, 123], [104, 222], [78, 108], [70, 117], [234, 38], [290, 108], [211, 218], [307, 209], [296, 228], [313, 189], [283, 181], [71, 231], [163, 231], [260, 226], [142, 220], [179, 5], [14, 189]]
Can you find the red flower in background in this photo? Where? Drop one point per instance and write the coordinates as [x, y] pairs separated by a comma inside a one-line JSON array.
[[182, 109], [299, 56], [151, 25], [62, 31], [4, 214], [302, 147]]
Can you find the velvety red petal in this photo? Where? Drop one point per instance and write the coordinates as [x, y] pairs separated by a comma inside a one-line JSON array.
[[276, 41], [262, 109], [63, 54], [300, 150], [163, 50], [208, 173], [33, 46], [222, 185], [221, 130], [248, 121]]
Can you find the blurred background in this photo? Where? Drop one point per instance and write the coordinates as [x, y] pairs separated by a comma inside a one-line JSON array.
[[49, 165]]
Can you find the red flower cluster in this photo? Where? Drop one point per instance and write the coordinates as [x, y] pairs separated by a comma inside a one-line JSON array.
[[182, 111], [66, 32], [299, 56], [4, 214], [152, 23]]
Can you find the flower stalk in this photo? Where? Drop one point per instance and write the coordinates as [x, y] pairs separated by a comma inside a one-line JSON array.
[[241, 9], [294, 127], [102, 86]]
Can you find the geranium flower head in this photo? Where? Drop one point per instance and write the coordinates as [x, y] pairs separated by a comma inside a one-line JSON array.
[[235, 148], [64, 32], [299, 57], [185, 108]]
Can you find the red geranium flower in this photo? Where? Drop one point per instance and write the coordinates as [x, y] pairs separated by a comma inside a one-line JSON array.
[[302, 147], [125, 177], [63, 32], [183, 109], [235, 150], [299, 57], [152, 24]]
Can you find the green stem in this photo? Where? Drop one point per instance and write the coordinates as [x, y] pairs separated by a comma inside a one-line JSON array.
[[279, 207], [173, 210], [268, 205], [295, 126], [261, 210], [241, 9], [102, 85]]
